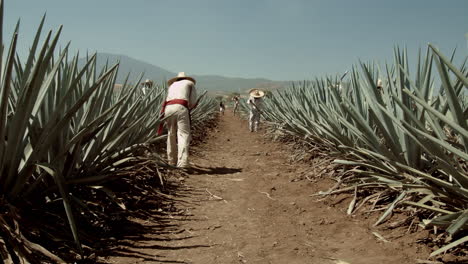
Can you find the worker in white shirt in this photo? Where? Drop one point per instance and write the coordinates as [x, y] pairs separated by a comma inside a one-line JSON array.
[[255, 102], [146, 86], [181, 99], [236, 104], [222, 107]]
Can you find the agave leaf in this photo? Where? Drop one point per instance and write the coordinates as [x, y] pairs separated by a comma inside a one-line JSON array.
[[373, 141], [52, 128], [21, 117], [66, 203], [111, 195], [458, 224], [435, 181], [444, 220], [426, 198], [449, 64], [430, 148], [455, 107], [389, 180], [6, 256], [390, 208], [431, 208], [5, 91], [449, 246], [442, 143], [97, 178], [32, 52], [352, 203], [97, 123], [48, 81], [374, 166]]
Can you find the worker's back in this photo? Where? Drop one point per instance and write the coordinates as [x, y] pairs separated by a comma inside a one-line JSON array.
[[183, 89]]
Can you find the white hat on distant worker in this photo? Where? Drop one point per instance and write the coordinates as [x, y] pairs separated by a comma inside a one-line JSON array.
[[256, 93], [379, 84], [147, 81]]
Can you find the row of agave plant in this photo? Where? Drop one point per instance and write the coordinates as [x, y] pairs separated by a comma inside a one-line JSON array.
[[408, 135], [63, 125]]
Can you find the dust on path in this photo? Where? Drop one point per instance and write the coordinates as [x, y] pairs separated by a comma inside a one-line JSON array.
[[242, 205]]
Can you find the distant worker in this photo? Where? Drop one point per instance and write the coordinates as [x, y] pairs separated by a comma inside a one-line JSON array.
[[221, 107], [181, 99], [236, 104], [255, 103], [379, 85], [146, 86]]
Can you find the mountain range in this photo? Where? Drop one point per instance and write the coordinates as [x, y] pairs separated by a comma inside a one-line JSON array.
[[211, 83]]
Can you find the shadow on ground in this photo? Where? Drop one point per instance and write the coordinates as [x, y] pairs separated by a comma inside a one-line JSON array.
[[155, 220], [197, 170]]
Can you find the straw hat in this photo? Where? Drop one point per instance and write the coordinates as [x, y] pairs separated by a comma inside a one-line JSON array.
[[147, 81], [180, 76], [379, 83], [256, 93]]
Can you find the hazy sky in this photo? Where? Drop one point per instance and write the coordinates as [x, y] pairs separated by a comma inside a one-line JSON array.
[[279, 40]]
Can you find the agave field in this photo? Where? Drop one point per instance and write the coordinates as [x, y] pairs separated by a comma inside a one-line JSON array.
[[405, 140], [66, 132]]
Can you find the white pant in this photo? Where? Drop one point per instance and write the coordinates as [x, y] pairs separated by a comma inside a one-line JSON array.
[[254, 120], [178, 137]]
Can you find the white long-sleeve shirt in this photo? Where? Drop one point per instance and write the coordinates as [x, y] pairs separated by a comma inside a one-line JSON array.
[[257, 101], [183, 89]]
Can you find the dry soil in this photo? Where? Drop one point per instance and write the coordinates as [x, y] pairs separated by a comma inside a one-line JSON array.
[[245, 202]]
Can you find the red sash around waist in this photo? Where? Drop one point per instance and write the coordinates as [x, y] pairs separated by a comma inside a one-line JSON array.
[[163, 109]]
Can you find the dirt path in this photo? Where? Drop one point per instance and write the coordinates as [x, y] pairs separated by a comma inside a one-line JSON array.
[[242, 205]]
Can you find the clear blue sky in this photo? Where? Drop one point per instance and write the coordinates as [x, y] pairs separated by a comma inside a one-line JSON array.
[[275, 39]]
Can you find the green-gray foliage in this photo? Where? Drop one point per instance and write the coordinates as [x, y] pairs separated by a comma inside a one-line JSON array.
[[406, 135], [63, 124]]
